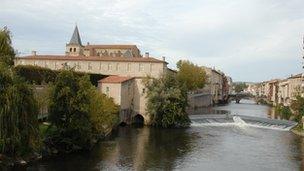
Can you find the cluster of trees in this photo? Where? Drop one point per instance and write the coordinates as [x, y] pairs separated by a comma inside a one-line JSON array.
[[239, 87], [167, 95], [79, 114]]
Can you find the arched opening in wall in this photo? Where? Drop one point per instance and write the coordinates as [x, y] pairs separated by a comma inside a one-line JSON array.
[[138, 120], [123, 124]]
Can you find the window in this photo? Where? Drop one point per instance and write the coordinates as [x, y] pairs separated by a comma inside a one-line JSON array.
[[128, 67], [107, 91], [74, 49], [78, 65], [141, 67], [71, 49], [117, 66], [89, 66], [109, 66], [143, 90]]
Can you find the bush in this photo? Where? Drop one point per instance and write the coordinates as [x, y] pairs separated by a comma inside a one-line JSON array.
[[283, 111]]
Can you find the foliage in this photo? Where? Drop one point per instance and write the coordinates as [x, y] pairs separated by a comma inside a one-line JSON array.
[[69, 110], [7, 53], [167, 102], [283, 111], [239, 87], [39, 75], [103, 113], [297, 106], [191, 75], [18, 115]]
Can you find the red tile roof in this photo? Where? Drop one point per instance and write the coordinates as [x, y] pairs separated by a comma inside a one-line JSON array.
[[91, 58], [115, 79], [111, 46]]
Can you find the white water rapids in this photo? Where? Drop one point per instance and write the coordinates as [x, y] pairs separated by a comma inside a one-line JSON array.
[[237, 122]]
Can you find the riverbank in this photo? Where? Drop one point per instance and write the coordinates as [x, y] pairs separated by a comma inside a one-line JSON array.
[[298, 130]]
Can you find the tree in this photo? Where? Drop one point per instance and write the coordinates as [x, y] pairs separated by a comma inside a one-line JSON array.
[[167, 102], [7, 53], [239, 87], [18, 115], [69, 111], [103, 113], [297, 106], [191, 75]]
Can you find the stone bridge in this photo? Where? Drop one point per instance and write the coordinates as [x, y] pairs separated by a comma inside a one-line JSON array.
[[237, 97]]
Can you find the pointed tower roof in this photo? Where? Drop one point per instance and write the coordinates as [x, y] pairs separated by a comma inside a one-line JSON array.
[[76, 37]]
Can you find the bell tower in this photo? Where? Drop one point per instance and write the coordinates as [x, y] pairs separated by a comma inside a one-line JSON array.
[[74, 47]]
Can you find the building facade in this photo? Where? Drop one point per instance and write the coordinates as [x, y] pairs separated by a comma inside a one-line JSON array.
[[123, 64]]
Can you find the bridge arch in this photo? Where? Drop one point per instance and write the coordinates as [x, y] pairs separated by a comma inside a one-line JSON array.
[[138, 119]]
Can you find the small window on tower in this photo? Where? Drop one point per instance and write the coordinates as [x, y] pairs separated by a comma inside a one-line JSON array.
[[74, 49], [71, 49]]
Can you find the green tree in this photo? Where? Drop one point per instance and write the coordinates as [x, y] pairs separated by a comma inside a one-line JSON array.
[[167, 102], [191, 75], [239, 87], [18, 115], [103, 113], [7, 53], [297, 106], [69, 111]]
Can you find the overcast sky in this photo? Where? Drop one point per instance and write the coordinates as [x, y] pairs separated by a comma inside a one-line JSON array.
[[250, 40]]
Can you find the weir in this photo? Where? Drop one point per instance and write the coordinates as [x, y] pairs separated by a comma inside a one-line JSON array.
[[241, 120]]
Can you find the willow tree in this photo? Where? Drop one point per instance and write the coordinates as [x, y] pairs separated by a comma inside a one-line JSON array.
[[7, 53], [18, 115], [167, 102]]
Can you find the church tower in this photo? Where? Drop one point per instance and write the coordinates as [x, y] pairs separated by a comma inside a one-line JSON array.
[[74, 47]]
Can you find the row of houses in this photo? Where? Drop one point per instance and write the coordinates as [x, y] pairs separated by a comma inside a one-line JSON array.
[[278, 91], [216, 91]]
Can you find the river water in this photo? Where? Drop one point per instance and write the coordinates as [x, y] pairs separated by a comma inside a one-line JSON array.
[[200, 147]]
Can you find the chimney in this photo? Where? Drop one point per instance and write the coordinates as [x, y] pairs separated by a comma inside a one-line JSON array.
[[164, 58], [34, 53], [147, 55]]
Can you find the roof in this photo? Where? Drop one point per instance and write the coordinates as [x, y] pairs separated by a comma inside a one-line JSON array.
[[75, 37], [115, 79], [111, 46], [90, 58], [296, 76]]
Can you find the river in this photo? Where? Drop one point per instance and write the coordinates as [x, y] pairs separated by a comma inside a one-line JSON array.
[[201, 147]]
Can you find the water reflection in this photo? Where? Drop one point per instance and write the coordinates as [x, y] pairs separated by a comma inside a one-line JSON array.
[[146, 148], [196, 148]]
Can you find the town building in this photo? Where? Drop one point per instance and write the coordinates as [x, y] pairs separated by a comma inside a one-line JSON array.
[[123, 64]]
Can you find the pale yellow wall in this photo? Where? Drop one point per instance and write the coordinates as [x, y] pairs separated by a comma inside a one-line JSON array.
[[127, 94], [132, 69], [114, 91]]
